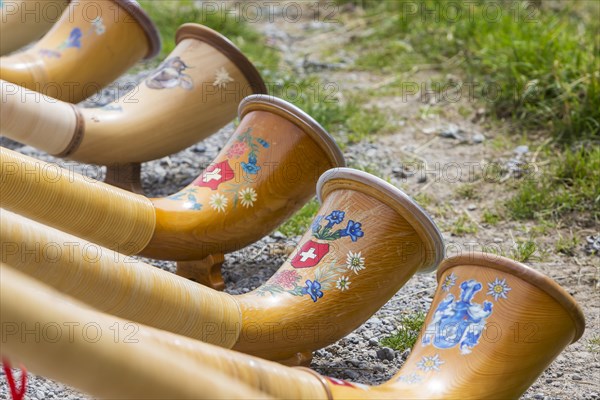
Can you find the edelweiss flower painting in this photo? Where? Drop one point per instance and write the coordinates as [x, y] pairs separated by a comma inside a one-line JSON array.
[[218, 202]]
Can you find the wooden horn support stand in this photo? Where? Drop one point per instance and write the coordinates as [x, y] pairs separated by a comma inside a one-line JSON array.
[[23, 21], [91, 45], [192, 94], [444, 363], [367, 241], [264, 173]]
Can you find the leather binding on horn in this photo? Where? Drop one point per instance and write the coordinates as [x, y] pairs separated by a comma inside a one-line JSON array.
[[82, 53], [20, 26], [264, 173], [192, 94], [444, 364], [360, 250]]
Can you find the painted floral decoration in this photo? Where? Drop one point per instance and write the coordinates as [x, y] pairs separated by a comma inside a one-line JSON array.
[[313, 289], [286, 278], [343, 283], [237, 150], [410, 378], [98, 25], [430, 363], [218, 202], [498, 289], [449, 281], [251, 166], [222, 78], [247, 197], [354, 262], [353, 229]]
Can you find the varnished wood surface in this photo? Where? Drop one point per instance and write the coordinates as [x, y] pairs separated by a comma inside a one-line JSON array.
[[498, 367], [107, 357], [82, 54], [271, 159], [19, 26], [277, 321]]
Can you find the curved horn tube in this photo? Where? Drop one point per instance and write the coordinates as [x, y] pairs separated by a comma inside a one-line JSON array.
[[23, 21], [368, 241], [192, 94], [125, 362], [92, 44], [474, 368], [264, 173]]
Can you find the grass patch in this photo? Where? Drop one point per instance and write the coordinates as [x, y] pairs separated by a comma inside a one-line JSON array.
[[572, 184], [567, 245], [463, 225], [168, 15], [536, 66], [300, 222], [408, 331], [593, 343], [467, 191], [523, 250], [490, 217]]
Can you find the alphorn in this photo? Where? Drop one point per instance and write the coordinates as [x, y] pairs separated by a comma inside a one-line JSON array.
[[191, 95], [91, 45], [121, 367], [23, 21], [264, 173], [453, 359], [367, 241]]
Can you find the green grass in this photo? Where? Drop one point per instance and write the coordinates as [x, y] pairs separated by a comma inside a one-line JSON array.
[[523, 250], [567, 245], [300, 222], [538, 67], [490, 217], [593, 343], [463, 225], [408, 331], [572, 184], [467, 191], [168, 15]]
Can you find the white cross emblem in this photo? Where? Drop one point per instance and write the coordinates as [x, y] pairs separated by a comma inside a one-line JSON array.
[[213, 175], [310, 253]]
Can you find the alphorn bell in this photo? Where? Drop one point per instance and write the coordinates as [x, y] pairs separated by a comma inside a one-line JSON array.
[[367, 241], [23, 21], [192, 94], [265, 172], [121, 368], [91, 45], [465, 364]]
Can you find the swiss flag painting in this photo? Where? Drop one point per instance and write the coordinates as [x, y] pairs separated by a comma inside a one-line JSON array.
[[339, 382], [214, 175], [310, 254]]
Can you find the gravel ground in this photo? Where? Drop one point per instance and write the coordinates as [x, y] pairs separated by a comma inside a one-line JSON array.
[[359, 357]]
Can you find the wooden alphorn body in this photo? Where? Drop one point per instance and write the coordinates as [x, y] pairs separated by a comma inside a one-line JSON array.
[[499, 368], [91, 45], [23, 21], [367, 241], [192, 94], [265, 173], [97, 355]]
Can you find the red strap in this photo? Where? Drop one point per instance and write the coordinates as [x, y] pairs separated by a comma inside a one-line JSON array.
[[16, 394]]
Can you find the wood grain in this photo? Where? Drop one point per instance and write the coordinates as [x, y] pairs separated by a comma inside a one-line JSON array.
[[76, 72], [19, 26]]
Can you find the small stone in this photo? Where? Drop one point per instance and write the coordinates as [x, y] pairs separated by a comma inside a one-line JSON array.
[[385, 353], [378, 368], [498, 240], [375, 321], [278, 235], [40, 395], [373, 342], [576, 377], [422, 179], [354, 363], [351, 374], [405, 354], [538, 396], [521, 149], [478, 138], [471, 207]]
